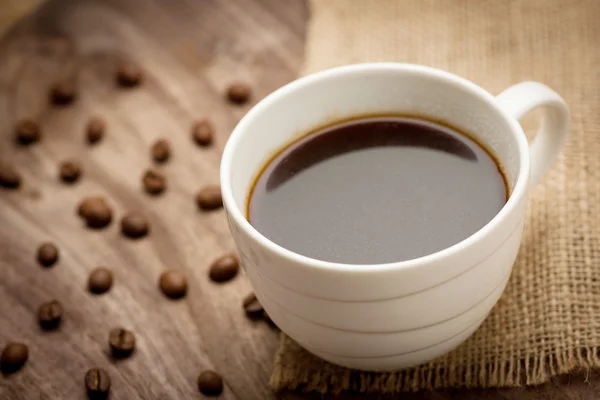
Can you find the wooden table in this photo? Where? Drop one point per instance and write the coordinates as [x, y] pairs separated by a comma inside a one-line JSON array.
[[190, 51]]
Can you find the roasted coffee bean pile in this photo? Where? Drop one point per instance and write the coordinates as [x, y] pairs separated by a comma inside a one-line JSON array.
[[96, 212]]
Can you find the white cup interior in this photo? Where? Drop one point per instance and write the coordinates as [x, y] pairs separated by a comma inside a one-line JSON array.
[[367, 89]]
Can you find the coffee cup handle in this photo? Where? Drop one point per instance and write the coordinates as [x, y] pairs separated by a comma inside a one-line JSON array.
[[523, 97]]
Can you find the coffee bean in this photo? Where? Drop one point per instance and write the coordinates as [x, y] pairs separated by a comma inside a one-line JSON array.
[[97, 383], [173, 284], [100, 280], [95, 130], [95, 211], [134, 225], [210, 383], [50, 314], [47, 254], [224, 268], [209, 198], [9, 177], [160, 151], [69, 171], [27, 131], [252, 306], [121, 342], [13, 357], [62, 93], [239, 93], [154, 182], [203, 132], [88, 204], [129, 75]]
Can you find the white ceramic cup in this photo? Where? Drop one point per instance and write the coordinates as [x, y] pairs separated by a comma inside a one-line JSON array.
[[389, 316]]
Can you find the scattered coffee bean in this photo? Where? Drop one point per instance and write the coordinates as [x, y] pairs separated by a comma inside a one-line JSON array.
[[129, 75], [47, 254], [50, 314], [203, 132], [95, 130], [209, 198], [160, 151], [69, 171], [97, 383], [252, 306], [173, 284], [88, 204], [100, 280], [224, 268], [9, 177], [134, 225], [95, 211], [210, 383], [13, 357], [62, 93], [27, 131], [121, 342], [238, 93], [154, 182]]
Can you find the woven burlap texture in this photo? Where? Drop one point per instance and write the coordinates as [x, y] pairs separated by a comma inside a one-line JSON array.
[[548, 320]]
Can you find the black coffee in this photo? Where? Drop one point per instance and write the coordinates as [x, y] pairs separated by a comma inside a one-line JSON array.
[[376, 190]]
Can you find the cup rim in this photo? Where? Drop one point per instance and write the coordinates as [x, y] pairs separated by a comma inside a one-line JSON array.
[[519, 191]]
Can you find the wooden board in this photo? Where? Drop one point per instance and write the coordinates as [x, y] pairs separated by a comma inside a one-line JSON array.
[[190, 50]]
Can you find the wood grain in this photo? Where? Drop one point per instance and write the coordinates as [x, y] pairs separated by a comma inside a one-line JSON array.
[[190, 51]]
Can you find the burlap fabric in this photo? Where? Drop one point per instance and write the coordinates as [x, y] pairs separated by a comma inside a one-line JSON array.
[[548, 320]]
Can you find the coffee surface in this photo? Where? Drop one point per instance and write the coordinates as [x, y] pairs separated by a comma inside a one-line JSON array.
[[376, 190]]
